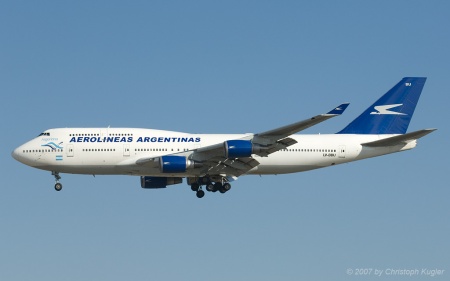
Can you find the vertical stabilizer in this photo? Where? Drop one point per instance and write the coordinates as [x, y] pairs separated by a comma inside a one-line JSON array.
[[392, 113]]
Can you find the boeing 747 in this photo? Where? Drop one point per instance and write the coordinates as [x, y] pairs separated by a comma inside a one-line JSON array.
[[213, 161]]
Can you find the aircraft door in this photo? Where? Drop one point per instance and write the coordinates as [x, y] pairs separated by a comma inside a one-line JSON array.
[[126, 150], [69, 150], [341, 151]]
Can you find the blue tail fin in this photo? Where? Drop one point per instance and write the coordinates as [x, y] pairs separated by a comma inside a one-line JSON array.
[[392, 113]]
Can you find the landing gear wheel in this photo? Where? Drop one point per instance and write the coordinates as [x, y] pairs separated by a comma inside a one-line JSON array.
[[195, 186], [225, 188], [210, 187], [217, 186], [58, 186], [200, 193]]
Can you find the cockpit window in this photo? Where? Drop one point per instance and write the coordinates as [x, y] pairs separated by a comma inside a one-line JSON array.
[[44, 134]]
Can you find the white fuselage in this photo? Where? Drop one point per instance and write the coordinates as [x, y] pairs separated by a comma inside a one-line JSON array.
[[109, 151]]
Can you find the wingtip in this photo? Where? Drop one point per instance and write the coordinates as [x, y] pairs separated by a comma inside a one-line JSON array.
[[338, 110]]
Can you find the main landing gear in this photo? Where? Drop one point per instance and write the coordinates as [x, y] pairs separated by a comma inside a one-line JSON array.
[[58, 185], [211, 185]]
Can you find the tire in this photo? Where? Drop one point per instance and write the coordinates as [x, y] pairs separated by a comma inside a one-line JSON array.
[[211, 187], [58, 186], [200, 193], [227, 187], [217, 186], [195, 186]]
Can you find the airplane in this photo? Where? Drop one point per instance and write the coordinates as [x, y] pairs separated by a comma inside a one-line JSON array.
[[162, 158]]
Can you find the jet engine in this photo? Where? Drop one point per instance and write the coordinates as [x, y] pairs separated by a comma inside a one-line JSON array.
[[176, 164], [241, 148]]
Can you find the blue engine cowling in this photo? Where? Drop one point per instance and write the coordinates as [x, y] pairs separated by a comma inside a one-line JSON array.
[[159, 182], [173, 164], [238, 148], [176, 164]]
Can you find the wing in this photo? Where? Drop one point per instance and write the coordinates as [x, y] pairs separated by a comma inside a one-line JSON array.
[[234, 157], [272, 136]]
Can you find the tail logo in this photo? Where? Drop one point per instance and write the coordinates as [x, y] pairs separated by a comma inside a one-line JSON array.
[[384, 109]]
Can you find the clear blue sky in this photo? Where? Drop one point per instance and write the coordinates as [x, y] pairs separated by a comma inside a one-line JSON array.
[[222, 67]]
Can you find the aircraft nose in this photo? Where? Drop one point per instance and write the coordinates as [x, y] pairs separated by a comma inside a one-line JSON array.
[[29, 159], [15, 154], [18, 155]]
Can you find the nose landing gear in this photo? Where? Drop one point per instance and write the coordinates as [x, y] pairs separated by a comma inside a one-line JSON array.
[[58, 185]]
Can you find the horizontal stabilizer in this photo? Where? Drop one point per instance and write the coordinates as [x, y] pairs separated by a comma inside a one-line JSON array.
[[400, 139]]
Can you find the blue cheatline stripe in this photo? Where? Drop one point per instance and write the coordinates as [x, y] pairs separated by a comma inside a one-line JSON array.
[[53, 145]]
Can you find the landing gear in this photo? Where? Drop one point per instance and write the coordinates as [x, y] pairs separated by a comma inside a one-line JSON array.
[[200, 193], [212, 184], [195, 186], [211, 187], [58, 185], [217, 186], [225, 188]]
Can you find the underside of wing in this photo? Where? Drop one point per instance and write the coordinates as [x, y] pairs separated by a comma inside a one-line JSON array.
[[229, 167]]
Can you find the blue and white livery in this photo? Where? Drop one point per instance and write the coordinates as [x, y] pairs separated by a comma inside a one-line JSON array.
[[212, 161]]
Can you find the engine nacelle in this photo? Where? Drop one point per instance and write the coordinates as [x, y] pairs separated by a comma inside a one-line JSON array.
[[159, 182], [176, 164], [241, 148]]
